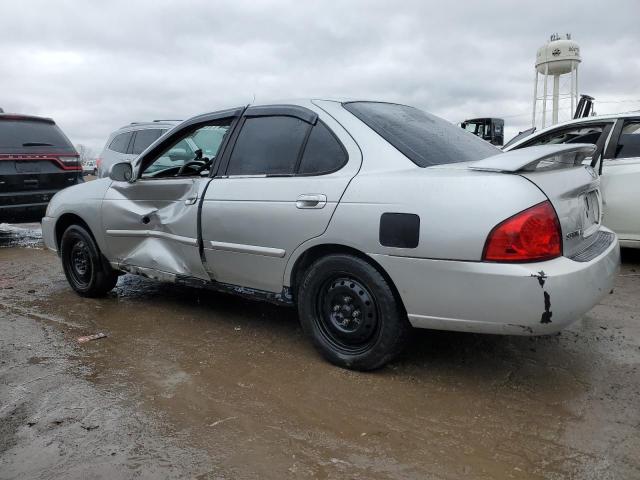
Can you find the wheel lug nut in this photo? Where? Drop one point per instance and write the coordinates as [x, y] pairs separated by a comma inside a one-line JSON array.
[[347, 299], [356, 313], [336, 308]]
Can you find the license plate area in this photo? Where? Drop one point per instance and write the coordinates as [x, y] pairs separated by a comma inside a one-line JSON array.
[[590, 213], [27, 166]]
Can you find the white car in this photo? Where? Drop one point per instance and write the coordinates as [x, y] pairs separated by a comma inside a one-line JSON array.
[[89, 167], [617, 159]]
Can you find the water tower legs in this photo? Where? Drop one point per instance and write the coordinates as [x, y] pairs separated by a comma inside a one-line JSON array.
[[544, 97], [572, 90], [576, 89], [535, 100], [556, 93]]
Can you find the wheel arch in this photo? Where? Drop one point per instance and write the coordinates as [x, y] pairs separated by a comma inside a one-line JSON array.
[[310, 255], [65, 221], [68, 219]]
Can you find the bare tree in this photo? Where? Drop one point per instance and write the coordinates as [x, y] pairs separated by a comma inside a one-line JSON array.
[[85, 153]]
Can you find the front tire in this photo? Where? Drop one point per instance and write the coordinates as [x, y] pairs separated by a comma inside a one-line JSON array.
[[351, 313], [83, 265]]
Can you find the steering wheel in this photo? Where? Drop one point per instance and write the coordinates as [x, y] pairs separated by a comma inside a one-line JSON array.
[[200, 163]]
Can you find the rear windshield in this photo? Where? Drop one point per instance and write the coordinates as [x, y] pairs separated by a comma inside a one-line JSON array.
[[424, 138], [31, 136]]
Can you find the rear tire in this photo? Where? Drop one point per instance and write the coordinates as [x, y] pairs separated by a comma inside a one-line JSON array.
[[350, 313], [86, 271]]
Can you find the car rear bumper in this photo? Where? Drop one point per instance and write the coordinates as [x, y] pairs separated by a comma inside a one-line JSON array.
[[22, 213], [26, 206], [499, 298]]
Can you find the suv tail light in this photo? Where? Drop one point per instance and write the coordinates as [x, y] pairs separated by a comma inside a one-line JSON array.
[[531, 235], [70, 161]]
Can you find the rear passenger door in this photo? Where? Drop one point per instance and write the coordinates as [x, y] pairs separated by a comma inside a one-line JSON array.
[[621, 180], [277, 187]]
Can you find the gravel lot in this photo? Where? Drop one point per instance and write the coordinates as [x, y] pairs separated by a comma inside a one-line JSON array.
[[194, 384]]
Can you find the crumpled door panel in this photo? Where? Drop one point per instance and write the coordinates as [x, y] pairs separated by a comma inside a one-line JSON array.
[[153, 224]]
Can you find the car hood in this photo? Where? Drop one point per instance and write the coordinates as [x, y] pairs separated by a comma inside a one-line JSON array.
[[65, 199]]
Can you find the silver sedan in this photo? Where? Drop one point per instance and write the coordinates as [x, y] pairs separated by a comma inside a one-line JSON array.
[[369, 217]]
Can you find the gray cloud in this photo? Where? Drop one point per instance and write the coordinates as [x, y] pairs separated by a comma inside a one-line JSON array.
[[96, 66]]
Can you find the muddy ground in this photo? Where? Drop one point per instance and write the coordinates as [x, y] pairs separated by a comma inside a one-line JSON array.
[[193, 384]]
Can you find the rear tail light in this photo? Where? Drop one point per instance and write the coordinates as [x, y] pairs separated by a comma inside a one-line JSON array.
[[70, 161], [531, 235]]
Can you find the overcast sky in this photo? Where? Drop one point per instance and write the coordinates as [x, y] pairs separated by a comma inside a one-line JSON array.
[[95, 66]]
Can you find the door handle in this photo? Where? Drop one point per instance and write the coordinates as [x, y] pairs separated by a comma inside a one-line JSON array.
[[191, 200], [316, 200]]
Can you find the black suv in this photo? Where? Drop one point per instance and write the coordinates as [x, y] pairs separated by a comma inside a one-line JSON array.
[[36, 161]]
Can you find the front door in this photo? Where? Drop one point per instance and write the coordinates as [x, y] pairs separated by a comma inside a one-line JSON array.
[[151, 225], [279, 187]]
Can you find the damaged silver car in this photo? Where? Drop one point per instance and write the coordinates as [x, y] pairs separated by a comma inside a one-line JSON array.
[[369, 217]]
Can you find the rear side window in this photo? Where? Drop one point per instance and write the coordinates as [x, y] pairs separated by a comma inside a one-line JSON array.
[[268, 146], [629, 142], [31, 136], [323, 153], [423, 138], [144, 138], [120, 142]]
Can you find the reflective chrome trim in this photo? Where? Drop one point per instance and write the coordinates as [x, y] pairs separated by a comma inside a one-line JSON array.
[[154, 233], [241, 248]]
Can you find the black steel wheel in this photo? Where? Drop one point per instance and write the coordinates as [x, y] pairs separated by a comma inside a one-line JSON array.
[[350, 312], [347, 314], [83, 264]]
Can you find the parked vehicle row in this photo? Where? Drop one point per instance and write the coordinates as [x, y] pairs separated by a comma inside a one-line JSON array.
[[369, 217]]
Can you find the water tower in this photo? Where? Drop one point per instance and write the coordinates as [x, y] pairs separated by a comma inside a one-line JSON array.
[[557, 57]]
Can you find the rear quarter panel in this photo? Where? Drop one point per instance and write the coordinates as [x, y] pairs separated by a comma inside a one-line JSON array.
[[457, 210]]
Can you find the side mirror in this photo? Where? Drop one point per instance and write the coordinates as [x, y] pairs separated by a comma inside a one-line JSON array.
[[121, 172], [177, 154]]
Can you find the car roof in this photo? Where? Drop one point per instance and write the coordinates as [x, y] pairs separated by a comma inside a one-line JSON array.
[[568, 123], [151, 124], [19, 116]]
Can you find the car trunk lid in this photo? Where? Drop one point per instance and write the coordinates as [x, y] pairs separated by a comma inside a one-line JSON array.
[[571, 187]]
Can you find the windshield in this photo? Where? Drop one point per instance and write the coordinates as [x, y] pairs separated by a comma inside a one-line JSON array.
[[424, 138], [200, 146], [520, 136], [32, 136]]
